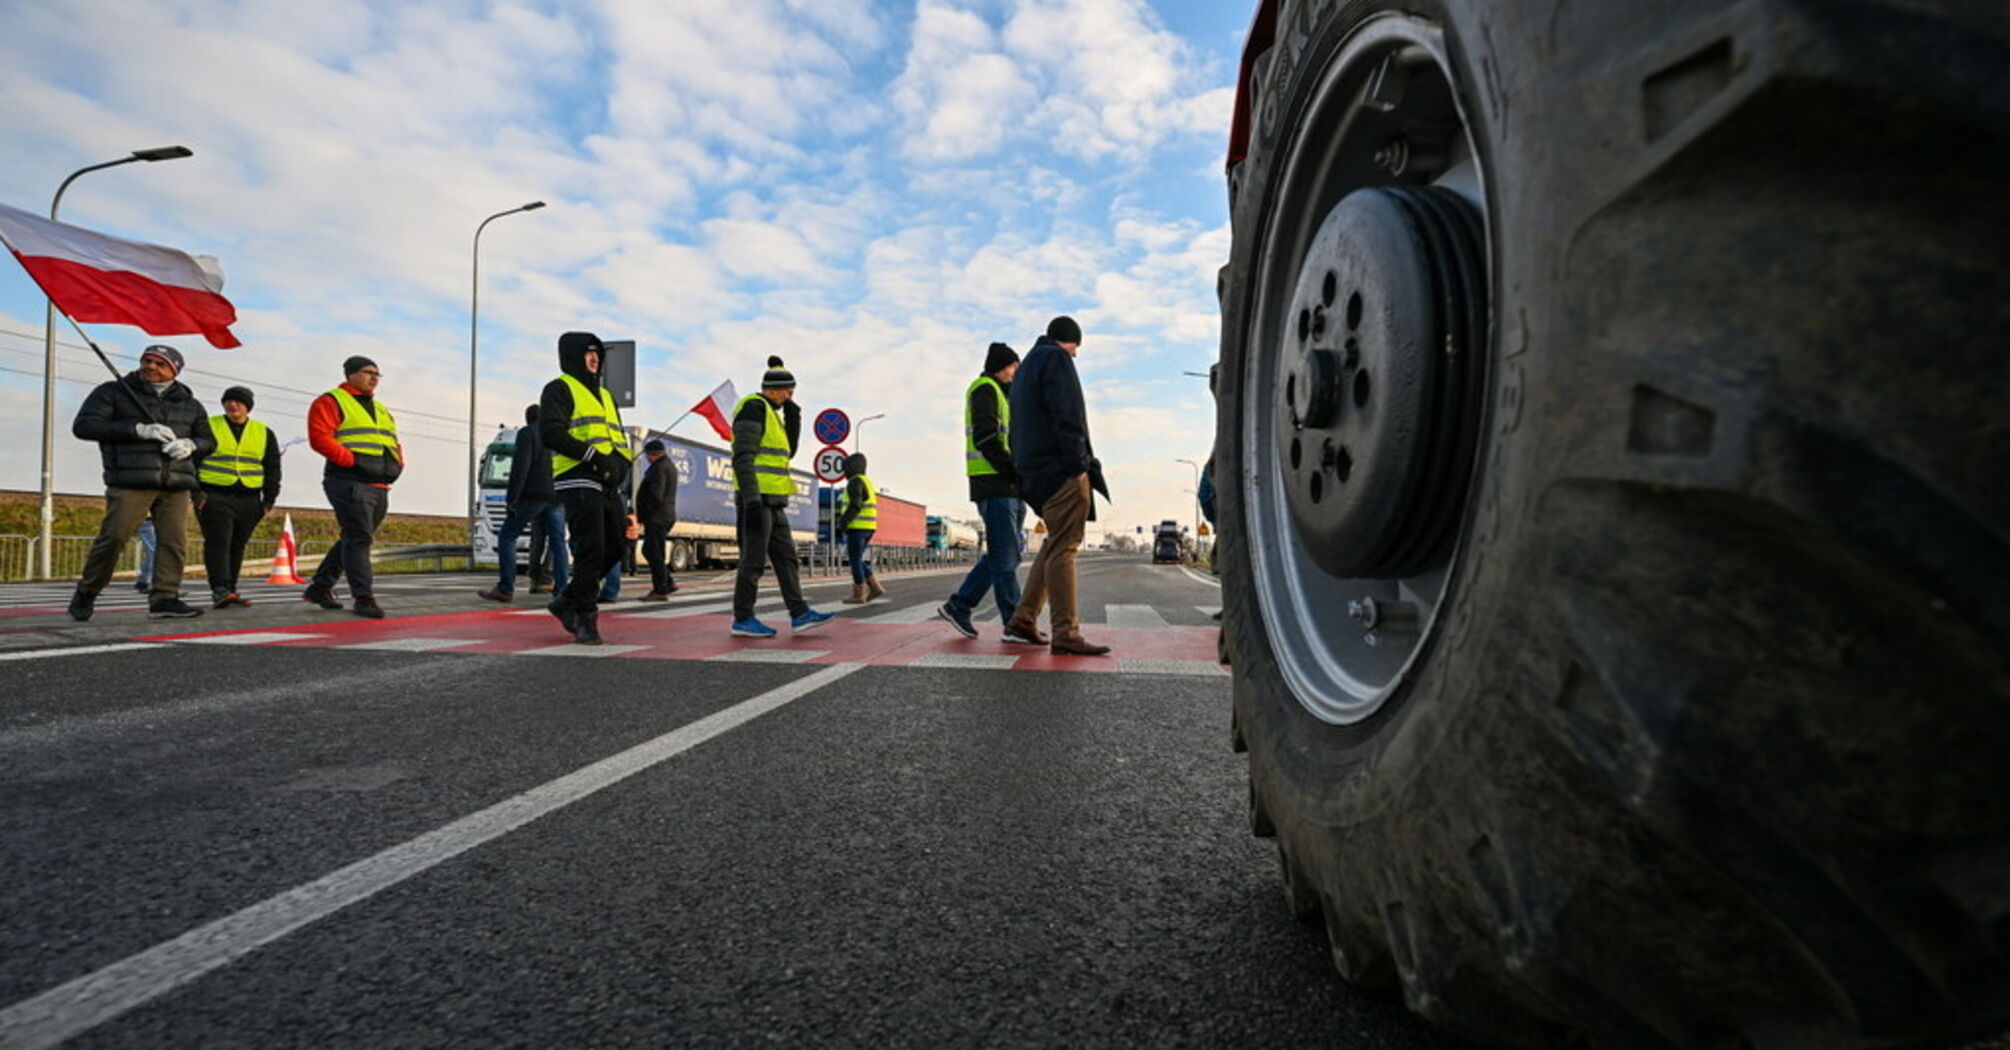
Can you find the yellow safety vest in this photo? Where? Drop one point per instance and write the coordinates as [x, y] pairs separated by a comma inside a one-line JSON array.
[[360, 431], [235, 461], [771, 459], [601, 430], [868, 508], [974, 463]]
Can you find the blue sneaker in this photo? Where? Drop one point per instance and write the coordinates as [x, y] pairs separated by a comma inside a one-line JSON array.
[[810, 620], [752, 628], [957, 619]]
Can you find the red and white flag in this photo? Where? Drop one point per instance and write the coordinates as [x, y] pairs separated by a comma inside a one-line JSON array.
[[107, 280], [717, 408]]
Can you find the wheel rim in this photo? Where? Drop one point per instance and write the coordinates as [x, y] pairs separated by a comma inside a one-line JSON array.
[[1365, 379]]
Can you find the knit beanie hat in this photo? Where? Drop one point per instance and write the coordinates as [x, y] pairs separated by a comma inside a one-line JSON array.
[[653, 445], [166, 353], [999, 356], [1064, 330], [357, 364], [777, 377], [239, 394]]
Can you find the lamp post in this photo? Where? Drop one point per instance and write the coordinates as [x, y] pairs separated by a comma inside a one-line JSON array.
[[48, 504], [858, 432], [1196, 495], [474, 308]]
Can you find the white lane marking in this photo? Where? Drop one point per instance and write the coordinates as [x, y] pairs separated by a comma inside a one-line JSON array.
[[769, 656], [1139, 617], [1201, 577], [249, 638], [698, 610], [968, 661], [911, 614], [414, 645], [1209, 609], [79, 650], [77, 1006], [1199, 668], [581, 650]]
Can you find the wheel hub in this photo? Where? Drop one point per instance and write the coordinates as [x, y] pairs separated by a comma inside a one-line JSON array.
[[1380, 394]]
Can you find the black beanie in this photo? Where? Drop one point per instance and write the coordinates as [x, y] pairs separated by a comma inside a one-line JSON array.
[[998, 357], [357, 364], [239, 394], [166, 353], [1064, 330], [777, 377]]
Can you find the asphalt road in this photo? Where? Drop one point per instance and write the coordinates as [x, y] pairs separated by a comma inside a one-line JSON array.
[[289, 827]]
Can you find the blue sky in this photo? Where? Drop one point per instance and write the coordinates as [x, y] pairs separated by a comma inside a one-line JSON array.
[[875, 191]]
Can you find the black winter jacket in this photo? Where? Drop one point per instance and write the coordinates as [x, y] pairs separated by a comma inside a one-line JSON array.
[[656, 502], [554, 430], [530, 469], [111, 416], [1050, 426]]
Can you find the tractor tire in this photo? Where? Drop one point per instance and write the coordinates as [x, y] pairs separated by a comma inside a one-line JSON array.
[[1617, 557]]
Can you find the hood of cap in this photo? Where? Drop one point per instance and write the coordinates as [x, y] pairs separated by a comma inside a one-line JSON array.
[[572, 348], [854, 464]]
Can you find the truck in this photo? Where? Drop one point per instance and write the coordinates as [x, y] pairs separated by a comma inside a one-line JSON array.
[[948, 534], [1165, 543], [1617, 560], [901, 521], [707, 521]]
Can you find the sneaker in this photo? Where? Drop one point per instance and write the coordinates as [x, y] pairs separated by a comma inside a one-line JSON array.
[[321, 596], [224, 601], [82, 605], [568, 617], [367, 608], [171, 609], [589, 629], [655, 596], [1077, 646], [142, 586], [1018, 635], [810, 620], [752, 628], [496, 594], [672, 589], [240, 601], [958, 620]]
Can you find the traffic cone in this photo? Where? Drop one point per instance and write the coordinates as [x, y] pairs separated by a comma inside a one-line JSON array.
[[282, 560]]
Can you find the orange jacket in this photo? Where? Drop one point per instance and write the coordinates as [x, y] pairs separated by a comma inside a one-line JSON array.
[[324, 417]]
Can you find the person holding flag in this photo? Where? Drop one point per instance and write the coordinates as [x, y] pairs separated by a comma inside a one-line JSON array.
[[150, 432], [590, 459], [240, 483]]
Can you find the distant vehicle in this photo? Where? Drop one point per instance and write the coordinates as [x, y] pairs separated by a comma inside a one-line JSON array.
[[902, 523], [1165, 542], [946, 534], [707, 522]]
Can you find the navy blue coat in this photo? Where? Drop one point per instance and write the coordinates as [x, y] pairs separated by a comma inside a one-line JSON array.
[[1050, 426]]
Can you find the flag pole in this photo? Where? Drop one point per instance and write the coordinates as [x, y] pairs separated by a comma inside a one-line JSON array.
[[109, 367], [680, 419]]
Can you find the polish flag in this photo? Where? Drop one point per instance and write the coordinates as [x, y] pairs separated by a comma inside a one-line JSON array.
[[717, 408], [106, 280]]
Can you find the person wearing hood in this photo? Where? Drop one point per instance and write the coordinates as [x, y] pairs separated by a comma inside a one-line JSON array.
[[358, 437], [857, 520], [1058, 476], [767, 426], [240, 483], [590, 458], [529, 499], [994, 487], [150, 432]]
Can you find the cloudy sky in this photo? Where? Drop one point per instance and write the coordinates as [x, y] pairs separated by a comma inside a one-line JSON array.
[[874, 189]]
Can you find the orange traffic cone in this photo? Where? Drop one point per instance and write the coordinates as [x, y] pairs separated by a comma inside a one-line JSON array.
[[282, 560]]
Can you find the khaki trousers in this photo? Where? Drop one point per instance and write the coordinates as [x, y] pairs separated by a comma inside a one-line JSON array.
[[124, 510], [1052, 577]]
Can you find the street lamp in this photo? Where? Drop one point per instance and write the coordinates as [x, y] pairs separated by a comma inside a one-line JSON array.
[[474, 306], [48, 508], [858, 432], [1196, 495]]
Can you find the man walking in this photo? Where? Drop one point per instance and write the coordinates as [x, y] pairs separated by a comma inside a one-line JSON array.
[[581, 425], [359, 439], [994, 487], [656, 506], [857, 520], [530, 500], [763, 444], [240, 483], [1058, 474], [150, 430]]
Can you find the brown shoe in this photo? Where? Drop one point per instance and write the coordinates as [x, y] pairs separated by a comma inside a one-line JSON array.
[[1017, 633], [1077, 646], [873, 591], [857, 595], [494, 595]]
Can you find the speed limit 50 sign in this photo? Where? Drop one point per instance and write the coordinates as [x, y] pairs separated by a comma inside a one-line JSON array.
[[830, 465]]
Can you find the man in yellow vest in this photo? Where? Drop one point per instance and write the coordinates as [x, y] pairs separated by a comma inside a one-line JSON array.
[[590, 459], [766, 429], [857, 520], [359, 439], [240, 483], [994, 487]]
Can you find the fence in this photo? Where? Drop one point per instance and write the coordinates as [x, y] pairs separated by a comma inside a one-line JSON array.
[[20, 557]]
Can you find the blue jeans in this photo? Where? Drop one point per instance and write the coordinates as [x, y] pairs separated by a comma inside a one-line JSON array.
[[553, 518], [855, 543], [998, 570], [147, 545]]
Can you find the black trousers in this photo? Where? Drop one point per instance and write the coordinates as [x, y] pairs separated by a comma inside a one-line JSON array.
[[654, 538], [359, 508], [227, 519], [599, 530], [764, 537]]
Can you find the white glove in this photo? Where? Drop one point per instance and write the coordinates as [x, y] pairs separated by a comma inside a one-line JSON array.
[[154, 432], [179, 448]]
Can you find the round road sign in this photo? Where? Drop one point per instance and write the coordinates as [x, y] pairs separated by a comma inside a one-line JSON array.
[[830, 464], [833, 426]]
